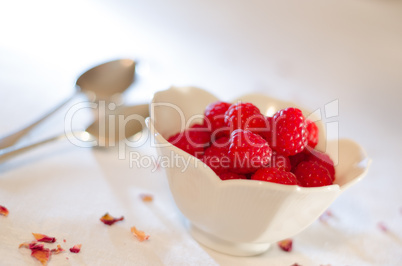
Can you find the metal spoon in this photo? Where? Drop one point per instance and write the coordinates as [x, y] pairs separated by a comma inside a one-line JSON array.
[[98, 83], [114, 126]]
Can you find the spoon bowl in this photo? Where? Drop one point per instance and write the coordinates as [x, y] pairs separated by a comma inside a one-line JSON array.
[[118, 124], [108, 79]]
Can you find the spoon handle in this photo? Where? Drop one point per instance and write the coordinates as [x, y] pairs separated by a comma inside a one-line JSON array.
[[11, 139], [11, 152], [133, 123]]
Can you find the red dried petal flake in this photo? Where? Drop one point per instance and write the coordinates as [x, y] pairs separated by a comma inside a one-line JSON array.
[[3, 211], [76, 248], [64, 240], [44, 238], [34, 245], [146, 197], [286, 245], [25, 244], [140, 235], [295, 264], [38, 251], [57, 250], [109, 220], [43, 255], [382, 227], [326, 216]]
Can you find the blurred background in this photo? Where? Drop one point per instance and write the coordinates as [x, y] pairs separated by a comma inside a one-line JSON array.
[[311, 52]]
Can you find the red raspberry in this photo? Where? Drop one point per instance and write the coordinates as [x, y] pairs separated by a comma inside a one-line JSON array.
[[245, 116], [324, 160], [231, 175], [312, 134], [216, 156], [312, 174], [267, 134], [192, 140], [280, 161], [215, 115], [248, 151], [297, 158], [289, 131], [275, 175]]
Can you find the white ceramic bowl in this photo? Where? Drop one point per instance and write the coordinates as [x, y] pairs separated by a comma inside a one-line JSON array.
[[242, 217]]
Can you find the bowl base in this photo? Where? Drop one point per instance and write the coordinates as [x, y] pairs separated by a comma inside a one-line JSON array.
[[227, 247]]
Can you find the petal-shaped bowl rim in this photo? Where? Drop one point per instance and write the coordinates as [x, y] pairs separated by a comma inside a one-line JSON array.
[[364, 162]]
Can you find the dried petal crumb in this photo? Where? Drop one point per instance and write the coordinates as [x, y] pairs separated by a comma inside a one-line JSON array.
[[43, 255], [3, 211], [109, 220], [326, 216], [32, 245], [36, 246], [38, 251], [25, 244], [382, 227], [140, 235], [57, 250], [295, 264], [286, 245], [44, 238], [146, 197], [76, 248]]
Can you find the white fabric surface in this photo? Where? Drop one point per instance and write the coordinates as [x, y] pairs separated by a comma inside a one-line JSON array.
[[312, 52], [65, 194]]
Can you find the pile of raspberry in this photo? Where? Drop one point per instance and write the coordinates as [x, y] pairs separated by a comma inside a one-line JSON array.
[[238, 142]]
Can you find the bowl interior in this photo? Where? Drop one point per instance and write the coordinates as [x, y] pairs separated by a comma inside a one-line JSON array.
[[177, 108]]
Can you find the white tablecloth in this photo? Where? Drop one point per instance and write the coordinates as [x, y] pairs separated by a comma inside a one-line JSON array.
[[310, 52]]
